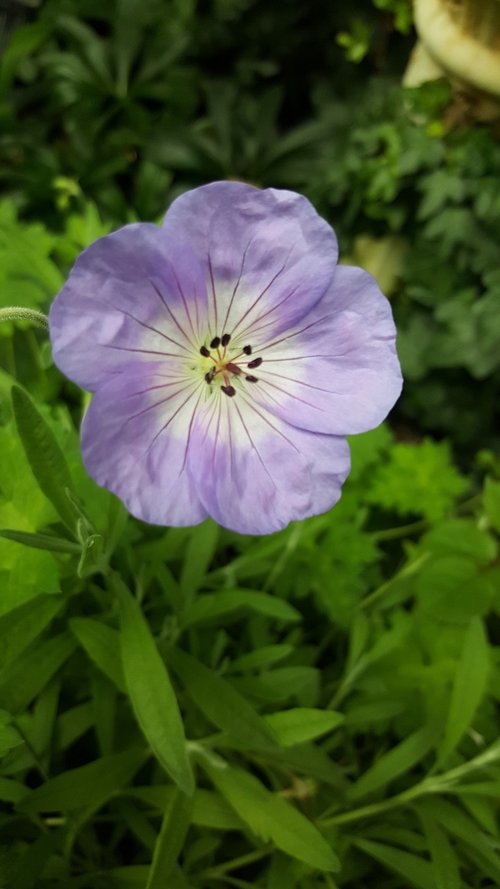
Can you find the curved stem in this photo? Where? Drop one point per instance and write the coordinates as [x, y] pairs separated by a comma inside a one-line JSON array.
[[18, 313]]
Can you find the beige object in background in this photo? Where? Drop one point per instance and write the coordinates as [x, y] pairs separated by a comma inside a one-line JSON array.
[[459, 39]]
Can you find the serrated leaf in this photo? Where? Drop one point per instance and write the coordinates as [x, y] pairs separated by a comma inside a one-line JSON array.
[[102, 645], [221, 703], [175, 823], [302, 724], [44, 455], [418, 479], [151, 694], [88, 785], [270, 817], [468, 688]]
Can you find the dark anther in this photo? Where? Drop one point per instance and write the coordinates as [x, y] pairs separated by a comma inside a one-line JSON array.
[[251, 379], [247, 350], [229, 390], [204, 351], [255, 363], [225, 339], [209, 376], [233, 368], [215, 342]]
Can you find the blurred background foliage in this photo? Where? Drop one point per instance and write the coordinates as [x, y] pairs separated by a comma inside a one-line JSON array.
[[367, 639]]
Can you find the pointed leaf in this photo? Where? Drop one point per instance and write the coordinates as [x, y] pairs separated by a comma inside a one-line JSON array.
[[270, 817], [44, 455], [151, 694], [176, 821], [302, 724], [41, 541], [221, 703], [88, 785], [468, 688], [102, 645]]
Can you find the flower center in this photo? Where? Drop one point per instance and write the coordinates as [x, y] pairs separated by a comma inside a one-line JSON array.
[[226, 364]]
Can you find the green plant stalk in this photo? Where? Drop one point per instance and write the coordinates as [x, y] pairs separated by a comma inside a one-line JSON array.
[[18, 313], [439, 784]]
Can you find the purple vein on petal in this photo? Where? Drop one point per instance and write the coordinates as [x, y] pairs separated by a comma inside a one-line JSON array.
[[153, 329], [294, 397], [261, 294], [169, 310], [290, 336], [151, 407], [167, 424], [214, 295], [251, 327], [141, 351], [270, 373], [254, 446], [265, 419], [184, 301], [188, 441], [152, 388], [224, 326]]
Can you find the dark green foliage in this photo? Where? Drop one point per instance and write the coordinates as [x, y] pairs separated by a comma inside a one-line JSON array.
[[191, 709]]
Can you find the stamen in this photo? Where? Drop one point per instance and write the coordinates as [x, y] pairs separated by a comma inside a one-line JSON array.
[[247, 350], [209, 376], [204, 351], [233, 368], [215, 342], [229, 390], [225, 339], [255, 363], [251, 379]]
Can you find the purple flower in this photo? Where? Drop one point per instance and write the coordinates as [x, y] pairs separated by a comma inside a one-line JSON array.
[[229, 355]]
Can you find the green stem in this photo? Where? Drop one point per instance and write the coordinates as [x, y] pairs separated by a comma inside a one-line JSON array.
[[439, 784], [18, 313], [405, 572]]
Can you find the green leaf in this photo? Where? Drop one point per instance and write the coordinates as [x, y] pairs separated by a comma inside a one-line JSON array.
[[88, 785], [44, 455], [23, 679], [461, 537], [444, 860], [261, 657], [453, 589], [456, 822], [175, 824], [41, 541], [302, 724], [270, 817], [151, 694], [415, 870], [395, 762], [22, 625], [199, 553], [418, 479], [491, 499], [221, 703], [102, 645], [469, 686], [211, 607], [9, 736]]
